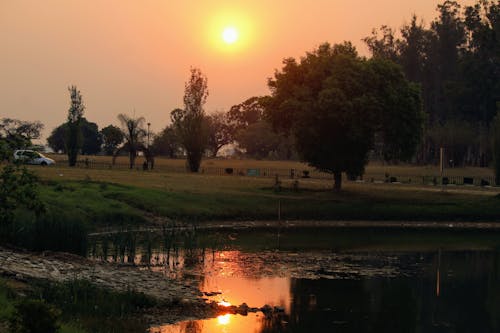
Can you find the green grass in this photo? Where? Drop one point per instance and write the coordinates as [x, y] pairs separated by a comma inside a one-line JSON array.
[[6, 302], [83, 306], [103, 197], [87, 200], [124, 205]]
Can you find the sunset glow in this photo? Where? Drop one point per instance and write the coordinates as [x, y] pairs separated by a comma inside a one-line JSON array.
[[125, 54]]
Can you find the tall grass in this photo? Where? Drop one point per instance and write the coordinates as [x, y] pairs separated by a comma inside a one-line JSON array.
[[6, 303], [97, 310]]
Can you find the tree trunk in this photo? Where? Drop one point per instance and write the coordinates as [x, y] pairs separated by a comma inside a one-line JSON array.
[[132, 156], [337, 178]]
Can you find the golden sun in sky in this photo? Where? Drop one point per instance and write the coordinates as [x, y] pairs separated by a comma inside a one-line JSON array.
[[230, 35], [230, 32]]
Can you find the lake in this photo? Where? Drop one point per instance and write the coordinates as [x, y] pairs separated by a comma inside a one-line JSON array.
[[326, 280]]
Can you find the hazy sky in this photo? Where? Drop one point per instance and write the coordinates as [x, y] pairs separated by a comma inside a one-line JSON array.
[[128, 54]]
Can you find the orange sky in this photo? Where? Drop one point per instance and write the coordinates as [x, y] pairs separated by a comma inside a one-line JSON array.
[[126, 54]]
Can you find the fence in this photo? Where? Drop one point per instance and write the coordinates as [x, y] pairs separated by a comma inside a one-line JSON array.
[[298, 174]]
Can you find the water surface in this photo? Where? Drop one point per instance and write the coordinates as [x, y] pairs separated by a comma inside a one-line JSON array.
[[329, 280]]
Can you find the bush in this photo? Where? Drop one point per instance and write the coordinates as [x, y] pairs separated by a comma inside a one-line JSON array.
[[34, 316], [53, 230]]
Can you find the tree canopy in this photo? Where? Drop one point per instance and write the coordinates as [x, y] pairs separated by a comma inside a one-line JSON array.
[[219, 130], [90, 139], [17, 134], [112, 137], [337, 105], [456, 61], [166, 143], [189, 122], [74, 132]]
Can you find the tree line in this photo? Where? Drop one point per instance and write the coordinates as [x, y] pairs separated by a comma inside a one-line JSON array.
[[422, 89], [456, 62], [192, 132]]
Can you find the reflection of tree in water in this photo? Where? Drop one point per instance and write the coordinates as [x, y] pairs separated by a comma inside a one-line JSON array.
[[328, 305], [469, 300], [275, 323], [192, 327]]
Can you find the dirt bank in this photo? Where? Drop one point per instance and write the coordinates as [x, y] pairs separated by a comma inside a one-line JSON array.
[[60, 267]]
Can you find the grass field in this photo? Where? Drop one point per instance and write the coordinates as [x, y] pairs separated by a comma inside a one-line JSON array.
[[122, 196]]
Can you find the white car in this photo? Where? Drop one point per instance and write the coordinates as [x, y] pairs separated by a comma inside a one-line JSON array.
[[32, 157]]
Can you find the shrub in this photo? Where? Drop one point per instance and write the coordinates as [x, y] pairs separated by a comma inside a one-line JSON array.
[[34, 316]]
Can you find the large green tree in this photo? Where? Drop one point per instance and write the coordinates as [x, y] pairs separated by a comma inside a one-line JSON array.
[[258, 140], [74, 133], [90, 138], [249, 112], [166, 143], [112, 137], [189, 122], [57, 138], [337, 104]]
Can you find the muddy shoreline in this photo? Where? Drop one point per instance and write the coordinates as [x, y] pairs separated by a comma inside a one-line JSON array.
[[214, 225], [179, 299]]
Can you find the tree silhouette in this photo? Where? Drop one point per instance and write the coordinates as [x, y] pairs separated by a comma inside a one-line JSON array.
[[134, 134], [189, 122], [74, 133], [336, 103]]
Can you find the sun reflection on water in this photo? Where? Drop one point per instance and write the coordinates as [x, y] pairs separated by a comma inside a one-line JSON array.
[[224, 303], [224, 319]]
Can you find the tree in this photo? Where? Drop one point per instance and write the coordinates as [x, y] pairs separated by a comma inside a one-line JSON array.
[[220, 132], [112, 137], [247, 113], [335, 103], [57, 138], [189, 122], [259, 141], [92, 139], [458, 138], [166, 143], [134, 134], [74, 134], [383, 47], [17, 134]]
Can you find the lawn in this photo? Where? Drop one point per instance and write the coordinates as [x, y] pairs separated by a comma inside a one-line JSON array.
[[122, 196]]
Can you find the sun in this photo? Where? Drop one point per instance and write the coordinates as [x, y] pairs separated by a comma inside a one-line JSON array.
[[230, 35]]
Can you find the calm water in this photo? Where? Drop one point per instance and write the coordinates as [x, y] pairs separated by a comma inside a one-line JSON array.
[[329, 280]]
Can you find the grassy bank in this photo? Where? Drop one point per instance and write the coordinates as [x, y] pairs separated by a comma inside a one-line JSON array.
[[122, 197]]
